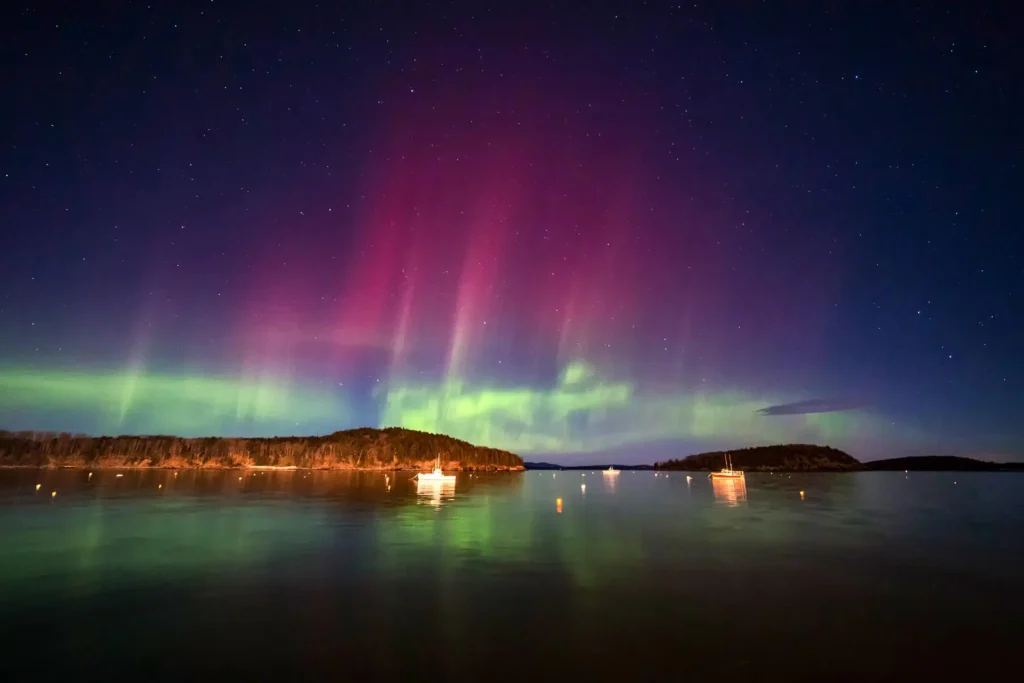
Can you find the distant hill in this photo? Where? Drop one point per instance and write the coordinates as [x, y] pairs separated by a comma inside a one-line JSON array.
[[789, 458], [364, 448], [941, 463]]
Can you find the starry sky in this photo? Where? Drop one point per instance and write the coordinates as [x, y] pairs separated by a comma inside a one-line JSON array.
[[642, 229]]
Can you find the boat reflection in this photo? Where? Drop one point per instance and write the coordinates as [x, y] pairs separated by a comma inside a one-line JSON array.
[[432, 492], [730, 492]]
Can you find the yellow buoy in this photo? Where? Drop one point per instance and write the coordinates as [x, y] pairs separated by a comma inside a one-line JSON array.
[[38, 486], [160, 486], [558, 505], [801, 495], [53, 494]]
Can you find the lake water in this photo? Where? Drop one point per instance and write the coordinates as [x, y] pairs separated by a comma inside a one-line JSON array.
[[294, 575]]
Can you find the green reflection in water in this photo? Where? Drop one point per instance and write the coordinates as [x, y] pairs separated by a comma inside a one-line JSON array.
[[105, 529], [516, 522]]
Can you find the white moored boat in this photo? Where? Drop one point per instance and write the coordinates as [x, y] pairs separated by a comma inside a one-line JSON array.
[[437, 476], [727, 472], [611, 471]]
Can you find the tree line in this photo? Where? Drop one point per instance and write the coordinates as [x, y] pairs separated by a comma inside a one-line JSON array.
[[786, 457], [364, 448]]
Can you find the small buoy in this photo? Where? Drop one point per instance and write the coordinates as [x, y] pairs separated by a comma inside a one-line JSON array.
[[38, 486], [801, 495], [239, 479], [160, 486], [175, 474], [552, 475], [583, 488], [90, 475], [688, 478], [558, 505], [120, 475], [954, 483], [53, 494]]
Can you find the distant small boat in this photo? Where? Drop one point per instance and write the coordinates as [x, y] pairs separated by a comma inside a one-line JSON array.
[[437, 476], [610, 472], [727, 472]]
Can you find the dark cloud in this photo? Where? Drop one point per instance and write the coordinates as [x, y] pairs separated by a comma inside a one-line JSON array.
[[814, 405]]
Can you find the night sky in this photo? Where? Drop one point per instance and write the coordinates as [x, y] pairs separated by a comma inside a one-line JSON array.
[[643, 228]]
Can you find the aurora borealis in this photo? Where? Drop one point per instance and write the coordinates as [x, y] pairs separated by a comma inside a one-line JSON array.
[[643, 230]]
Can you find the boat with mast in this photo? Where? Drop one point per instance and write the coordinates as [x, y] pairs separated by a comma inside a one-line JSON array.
[[437, 476], [727, 472]]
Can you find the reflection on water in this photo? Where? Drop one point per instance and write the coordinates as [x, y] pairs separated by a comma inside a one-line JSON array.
[[730, 492], [332, 575], [434, 492]]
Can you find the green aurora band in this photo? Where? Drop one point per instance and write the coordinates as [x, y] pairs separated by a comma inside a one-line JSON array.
[[184, 405], [583, 412]]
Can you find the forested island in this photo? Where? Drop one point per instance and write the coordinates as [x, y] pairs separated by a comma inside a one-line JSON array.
[[812, 458], [941, 463], [354, 449], [787, 458]]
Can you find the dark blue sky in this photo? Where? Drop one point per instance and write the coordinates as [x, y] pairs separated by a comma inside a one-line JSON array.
[[554, 230]]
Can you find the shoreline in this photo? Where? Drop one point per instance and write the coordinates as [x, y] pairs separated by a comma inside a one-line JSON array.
[[264, 468]]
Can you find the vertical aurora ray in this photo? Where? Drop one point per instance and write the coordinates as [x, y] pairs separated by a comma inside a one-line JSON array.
[[532, 281]]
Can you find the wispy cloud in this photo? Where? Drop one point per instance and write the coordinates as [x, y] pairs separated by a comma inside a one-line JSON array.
[[814, 405]]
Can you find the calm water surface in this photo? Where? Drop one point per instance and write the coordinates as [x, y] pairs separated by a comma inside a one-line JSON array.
[[330, 576]]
